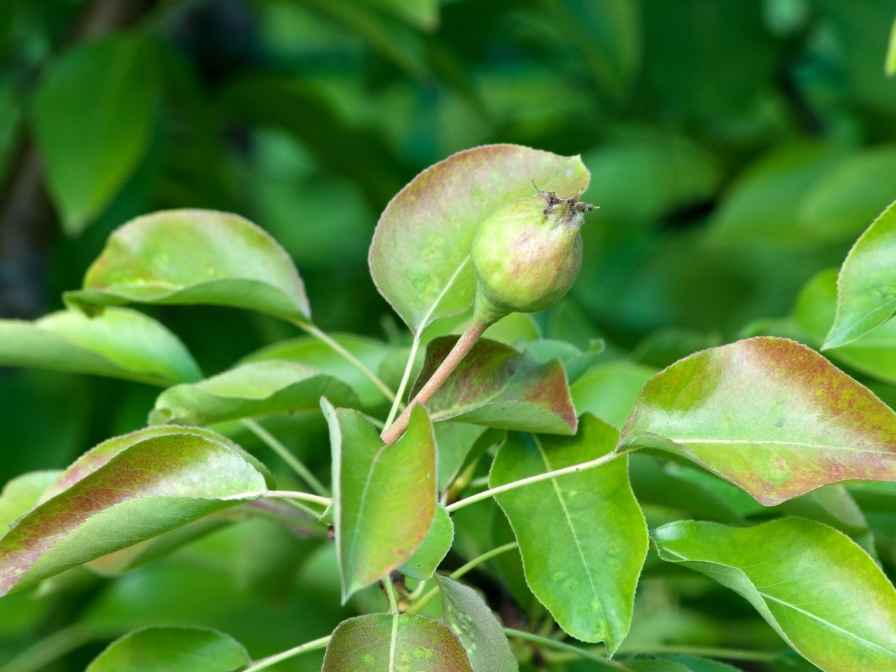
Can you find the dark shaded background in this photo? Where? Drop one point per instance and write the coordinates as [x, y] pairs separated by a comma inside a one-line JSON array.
[[736, 147]]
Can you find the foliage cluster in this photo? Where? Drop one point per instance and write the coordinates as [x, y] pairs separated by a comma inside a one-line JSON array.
[[684, 465]]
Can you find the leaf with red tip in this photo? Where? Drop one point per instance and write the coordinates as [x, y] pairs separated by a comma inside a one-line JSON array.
[[125, 490], [384, 497], [768, 414], [419, 256], [496, 386]]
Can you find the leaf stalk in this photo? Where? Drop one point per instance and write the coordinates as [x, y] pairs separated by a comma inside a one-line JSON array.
[[325, 338], [286, 455], [270, 661], [523, 482]]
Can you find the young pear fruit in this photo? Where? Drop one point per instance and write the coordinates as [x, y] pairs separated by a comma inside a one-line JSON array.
[[527, 254]]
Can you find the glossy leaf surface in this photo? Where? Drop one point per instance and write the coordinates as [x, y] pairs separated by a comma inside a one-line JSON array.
[[123, 491], [873, 353], [118, 343], [829, 601], [768, 414], [582, 537], [195, 257], [419, 257], [250, 390], [172, 650], [427, 558], [480, 632], [609, 390], [313, 353], [384, 496], [498, 387], [866, 287], [89, 154], [421, 644]]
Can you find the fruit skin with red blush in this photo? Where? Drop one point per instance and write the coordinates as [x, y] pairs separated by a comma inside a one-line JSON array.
[[527, 254]]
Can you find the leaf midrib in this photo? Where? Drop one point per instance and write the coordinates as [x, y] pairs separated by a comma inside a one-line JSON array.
[[363, 506], [832, 626], [572, 529], [427, 316], [771, 442]]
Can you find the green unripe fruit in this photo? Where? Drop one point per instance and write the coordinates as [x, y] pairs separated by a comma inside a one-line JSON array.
[[527, 254]]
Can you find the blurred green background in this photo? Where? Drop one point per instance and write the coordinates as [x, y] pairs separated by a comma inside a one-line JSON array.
[[737, 147]]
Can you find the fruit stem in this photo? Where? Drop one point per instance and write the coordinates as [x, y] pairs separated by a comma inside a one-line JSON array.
[[463, 346]]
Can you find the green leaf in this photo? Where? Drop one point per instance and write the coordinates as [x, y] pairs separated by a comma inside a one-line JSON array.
[[457, 442], [119, 343], [678, 664], [890, 65], [866, 287], [384, 497], [125, 490], [695, 664], [420, 254], [496, 386], [840, 205], [172, 650], [605, 36], [829, 601], [121, 561], [874, 497], [873, 353], [762, 207], [666, 346], [646, 173], [610, 390], [833, 505], [420, 644], [514, 329], [423, 14], [769, 415], [21, 494], [194, 257], [251, 390], [575, 362], [687, 490], [94, 116], [582, 537], [429, 555], [469, 617], [313, 353]]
